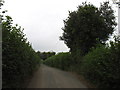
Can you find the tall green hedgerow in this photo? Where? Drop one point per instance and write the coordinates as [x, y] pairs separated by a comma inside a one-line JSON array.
[[19, 59], [61, 60], [102, 65]]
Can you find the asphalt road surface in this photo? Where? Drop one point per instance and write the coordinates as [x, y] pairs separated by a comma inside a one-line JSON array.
[[48, 77]]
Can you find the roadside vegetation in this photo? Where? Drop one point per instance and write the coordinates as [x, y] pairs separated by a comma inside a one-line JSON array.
[[102, 65], [85, 32], [19, 60], [61, 60], [45, 55]]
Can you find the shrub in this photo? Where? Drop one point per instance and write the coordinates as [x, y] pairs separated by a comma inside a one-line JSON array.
[[102, 65]]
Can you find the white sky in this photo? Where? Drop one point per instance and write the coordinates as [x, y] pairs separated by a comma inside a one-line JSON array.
[[42, 20]]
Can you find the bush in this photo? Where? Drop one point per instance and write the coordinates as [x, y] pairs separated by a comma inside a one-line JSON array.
[[102, 65], [61, 60]]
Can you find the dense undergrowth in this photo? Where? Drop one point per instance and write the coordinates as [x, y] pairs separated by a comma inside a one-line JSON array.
[[101, 65], [19, 59]]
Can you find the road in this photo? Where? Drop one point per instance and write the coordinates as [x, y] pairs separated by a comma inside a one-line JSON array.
[[48, 77]]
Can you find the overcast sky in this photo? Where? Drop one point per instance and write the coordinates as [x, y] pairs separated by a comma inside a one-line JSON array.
[[42, 20]]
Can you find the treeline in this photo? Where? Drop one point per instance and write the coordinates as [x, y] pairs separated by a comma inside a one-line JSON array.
[[19, 60], [85, 32], [45, 55]]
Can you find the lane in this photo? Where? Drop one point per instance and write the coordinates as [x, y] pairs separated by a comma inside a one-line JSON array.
[[48, 77]]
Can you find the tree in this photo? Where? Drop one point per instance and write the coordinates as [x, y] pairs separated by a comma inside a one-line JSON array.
[[87, 26]]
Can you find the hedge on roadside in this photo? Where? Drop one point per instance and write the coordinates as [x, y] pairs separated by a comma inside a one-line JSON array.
[[102, 65], [61, 60], [19, 60]]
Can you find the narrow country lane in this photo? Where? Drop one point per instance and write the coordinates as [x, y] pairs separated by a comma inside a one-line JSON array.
[[48, 77]]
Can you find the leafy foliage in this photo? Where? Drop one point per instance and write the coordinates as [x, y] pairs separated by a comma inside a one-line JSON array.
[[61, 60], [19, 59], [102, 65], [87, 26]]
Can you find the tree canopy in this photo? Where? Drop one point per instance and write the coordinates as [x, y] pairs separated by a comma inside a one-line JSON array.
[[87, 26]]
